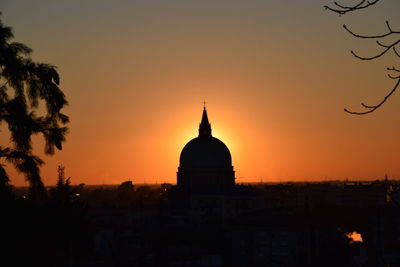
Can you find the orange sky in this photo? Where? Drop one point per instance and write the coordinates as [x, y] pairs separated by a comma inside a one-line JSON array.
[[276, 77]]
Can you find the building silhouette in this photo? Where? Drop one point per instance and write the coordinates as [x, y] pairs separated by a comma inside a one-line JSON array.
[[205, 162]]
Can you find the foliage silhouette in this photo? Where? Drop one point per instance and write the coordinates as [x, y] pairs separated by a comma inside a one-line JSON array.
[[386, 45], [52, 232], [63, 193], [25, 86]]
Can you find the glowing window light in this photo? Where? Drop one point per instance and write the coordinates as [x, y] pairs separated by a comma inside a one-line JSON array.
[[354, 237]]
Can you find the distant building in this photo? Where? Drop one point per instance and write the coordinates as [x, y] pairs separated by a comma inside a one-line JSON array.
[[126, 187], [205, 162]]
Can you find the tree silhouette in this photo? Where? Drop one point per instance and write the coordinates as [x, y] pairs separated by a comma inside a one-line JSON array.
[[63, 193], [27, 87], [48, 233], [381, 40]]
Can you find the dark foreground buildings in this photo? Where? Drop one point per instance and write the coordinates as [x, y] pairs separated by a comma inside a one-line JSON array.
[[208, 220]]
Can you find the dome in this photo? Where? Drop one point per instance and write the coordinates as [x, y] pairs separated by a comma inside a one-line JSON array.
[[205, 152], [205, 162]]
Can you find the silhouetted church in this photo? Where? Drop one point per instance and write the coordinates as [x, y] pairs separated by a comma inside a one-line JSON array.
[[205, 162]]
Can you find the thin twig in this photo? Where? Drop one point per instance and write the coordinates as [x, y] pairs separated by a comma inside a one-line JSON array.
[[375, 107], [387, 24], [393, 77], [345, 9], [376, 36], [388, 47], [393, 68], [395, 51], [383, 45]]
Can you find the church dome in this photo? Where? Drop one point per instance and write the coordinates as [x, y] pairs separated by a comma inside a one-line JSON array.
[[205, 161], [205, 152]]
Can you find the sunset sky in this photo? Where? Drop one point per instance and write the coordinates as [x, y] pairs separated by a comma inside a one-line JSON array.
[[276, 76]]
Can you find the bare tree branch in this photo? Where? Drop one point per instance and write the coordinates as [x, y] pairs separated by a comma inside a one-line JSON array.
[[380, 44], [372, 108], [375, 36], [387, 24], [393, 68], [393, 77], [388, 47], [395, 51], [342, 9], [375, 107], [348, 7]]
